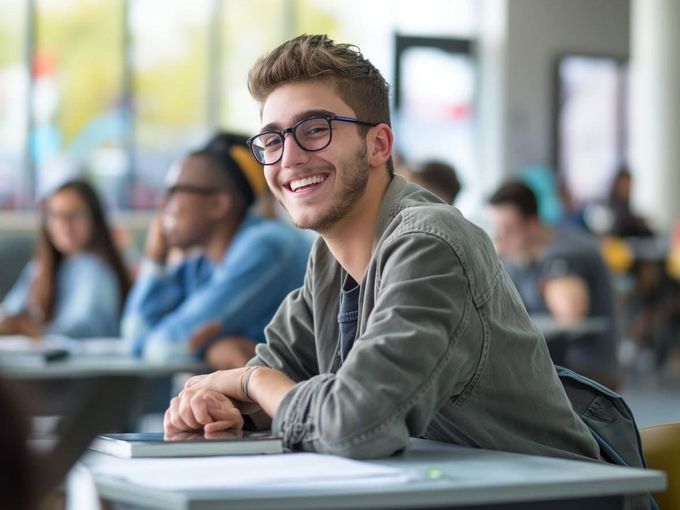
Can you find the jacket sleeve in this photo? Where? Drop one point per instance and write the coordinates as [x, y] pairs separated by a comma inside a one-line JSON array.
[[402, 368]]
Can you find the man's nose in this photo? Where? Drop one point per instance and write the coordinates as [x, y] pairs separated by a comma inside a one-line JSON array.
[[293, 154]]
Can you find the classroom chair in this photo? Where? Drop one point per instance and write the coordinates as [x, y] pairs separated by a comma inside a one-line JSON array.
[[617, 254], [661, 446]]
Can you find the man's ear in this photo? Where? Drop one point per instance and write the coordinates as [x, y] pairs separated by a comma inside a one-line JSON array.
[[379, 146], [221, 204]]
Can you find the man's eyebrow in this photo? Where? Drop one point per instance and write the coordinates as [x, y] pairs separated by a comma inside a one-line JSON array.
[[275, 126]]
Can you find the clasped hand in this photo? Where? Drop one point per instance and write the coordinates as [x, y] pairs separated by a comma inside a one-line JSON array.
[[209, 403]]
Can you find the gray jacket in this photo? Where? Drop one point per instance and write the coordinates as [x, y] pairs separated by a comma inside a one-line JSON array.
[[444, 348]]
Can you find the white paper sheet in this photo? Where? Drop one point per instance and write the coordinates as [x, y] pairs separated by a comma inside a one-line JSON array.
[[287, 470]]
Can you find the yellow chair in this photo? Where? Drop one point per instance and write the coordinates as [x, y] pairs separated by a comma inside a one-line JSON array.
[[661, 446], [617, 254]]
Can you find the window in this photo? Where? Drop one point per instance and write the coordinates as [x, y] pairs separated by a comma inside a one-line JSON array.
[[430, 65], [591, 124], [13, 103], [77, 122], [170, 82], [119, 89], [247, 30], [434, 104]]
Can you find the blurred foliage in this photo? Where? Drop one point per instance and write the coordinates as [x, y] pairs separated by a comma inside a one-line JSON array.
[[11, 31], [79, 68], [311, 17], [83, 42]]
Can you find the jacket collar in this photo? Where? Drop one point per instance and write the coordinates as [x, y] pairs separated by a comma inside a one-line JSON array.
[[395, 191]]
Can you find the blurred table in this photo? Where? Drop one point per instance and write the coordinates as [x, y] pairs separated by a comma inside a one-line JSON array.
[[81, 366], [552, 329], [79, 359], [54, 383], [558, 336]]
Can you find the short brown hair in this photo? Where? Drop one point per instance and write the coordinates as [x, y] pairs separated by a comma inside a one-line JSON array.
[[440, 178], [519, 195], [316, 57]]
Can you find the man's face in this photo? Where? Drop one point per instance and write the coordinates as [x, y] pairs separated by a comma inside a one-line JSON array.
[[316, 188], [512, 233], [69, 223], [189, 195]]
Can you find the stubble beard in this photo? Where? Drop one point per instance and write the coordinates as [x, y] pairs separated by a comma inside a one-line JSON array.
[[356, 180]]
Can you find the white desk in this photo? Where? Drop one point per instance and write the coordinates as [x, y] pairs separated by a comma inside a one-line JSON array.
[[474, 479], [79, 366], [56, 384], [83, 359]]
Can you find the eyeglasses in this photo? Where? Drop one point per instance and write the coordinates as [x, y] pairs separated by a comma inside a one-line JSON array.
[[312, 134], [79, 216], [190, 188]]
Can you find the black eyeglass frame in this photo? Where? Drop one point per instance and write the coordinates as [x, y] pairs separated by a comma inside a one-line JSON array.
[[282, 134], [191, 188]]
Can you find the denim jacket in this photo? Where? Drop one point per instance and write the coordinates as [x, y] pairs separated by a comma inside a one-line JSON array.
[[444, 349], [265, 260]]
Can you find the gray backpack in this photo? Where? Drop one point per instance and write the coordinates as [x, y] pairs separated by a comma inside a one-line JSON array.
[[610, 421]]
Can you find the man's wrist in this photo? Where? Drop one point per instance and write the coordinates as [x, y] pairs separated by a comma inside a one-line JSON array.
[[246, 396]]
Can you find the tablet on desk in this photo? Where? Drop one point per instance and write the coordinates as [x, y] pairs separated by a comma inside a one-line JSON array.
[[153, 444]]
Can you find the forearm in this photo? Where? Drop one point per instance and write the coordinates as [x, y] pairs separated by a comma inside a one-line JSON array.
[[267, 387], [20, 324], [567, 299]]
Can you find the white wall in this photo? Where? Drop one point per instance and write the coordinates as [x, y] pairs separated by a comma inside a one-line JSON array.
[[538, 32], [655, 111]]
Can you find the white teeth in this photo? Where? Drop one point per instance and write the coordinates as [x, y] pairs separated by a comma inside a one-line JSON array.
[[307, 181]]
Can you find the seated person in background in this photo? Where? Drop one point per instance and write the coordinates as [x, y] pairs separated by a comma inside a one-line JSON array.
[[77, 282], [435, 176], [573, 213], [624, 222], [560, 272], [407, 324], [216, 301]]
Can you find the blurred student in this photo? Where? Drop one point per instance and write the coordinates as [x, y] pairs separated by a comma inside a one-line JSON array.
[[435, 176], [235, 266], [560, 272], [77, 282], [625, 223], [573, 213]]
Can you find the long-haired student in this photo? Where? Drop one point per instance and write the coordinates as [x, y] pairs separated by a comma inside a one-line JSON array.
[[77, 281]]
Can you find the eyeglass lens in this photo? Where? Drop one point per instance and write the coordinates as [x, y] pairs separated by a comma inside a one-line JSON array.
[[311, 135]]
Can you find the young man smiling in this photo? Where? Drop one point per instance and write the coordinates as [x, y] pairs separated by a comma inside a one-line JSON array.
[[407, 324]]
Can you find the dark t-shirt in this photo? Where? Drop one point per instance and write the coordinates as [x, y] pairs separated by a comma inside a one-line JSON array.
[[574, 253], [348, 315]]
